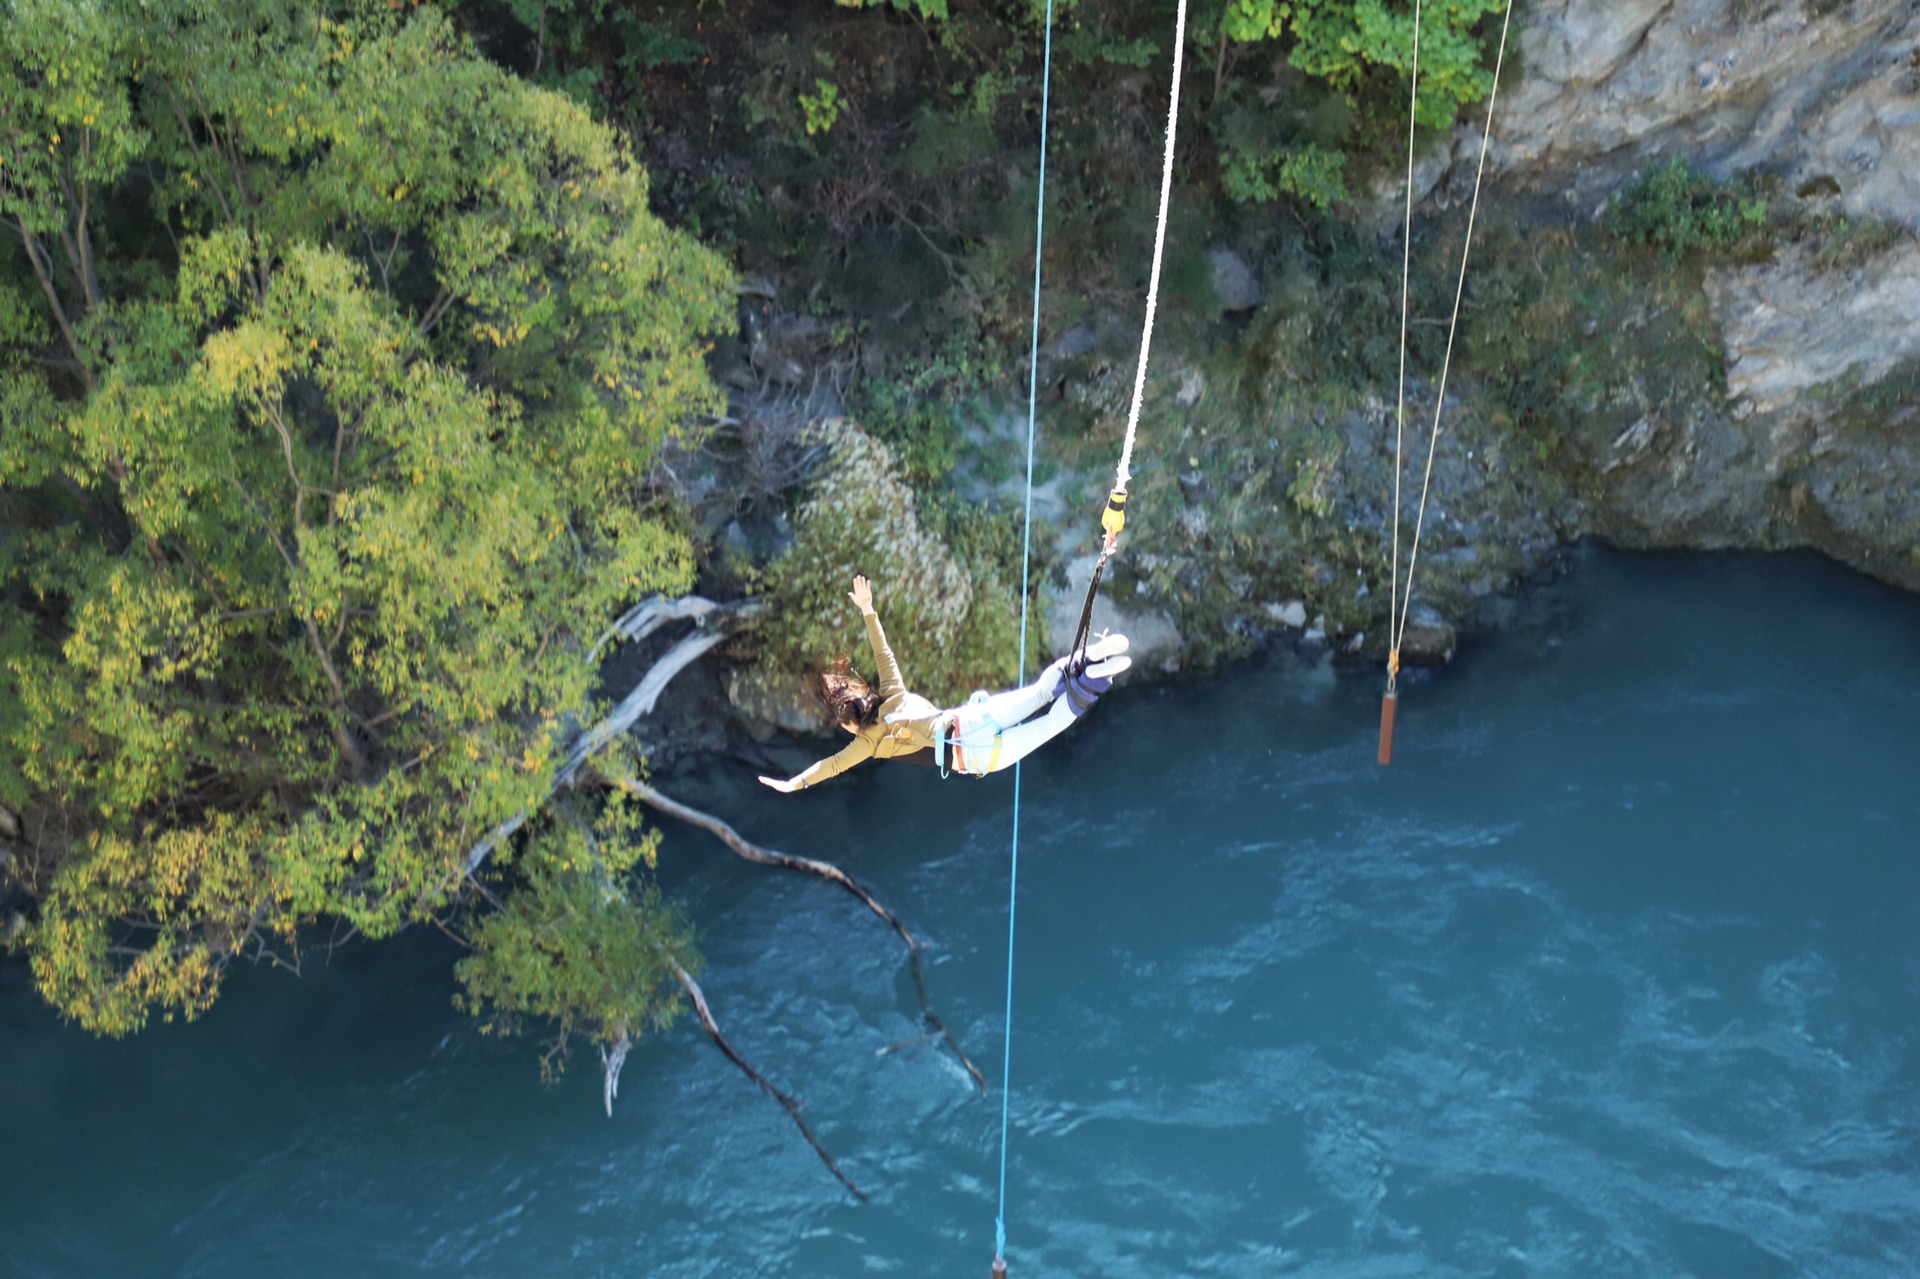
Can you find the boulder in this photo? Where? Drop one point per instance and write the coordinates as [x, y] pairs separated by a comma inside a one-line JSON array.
[[1816, 444], [1153, 639], [1292, 614], [1429, 639], [1075, 342], [768, 702], [1790, 326], [1233, 281]]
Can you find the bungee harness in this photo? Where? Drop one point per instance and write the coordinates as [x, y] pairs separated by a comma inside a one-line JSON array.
[[951, 744]]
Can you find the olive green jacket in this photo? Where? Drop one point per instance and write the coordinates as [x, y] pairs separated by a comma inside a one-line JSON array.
[[905, 723]]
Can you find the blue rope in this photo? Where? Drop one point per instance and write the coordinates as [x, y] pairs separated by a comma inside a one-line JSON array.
[[1026, 570]]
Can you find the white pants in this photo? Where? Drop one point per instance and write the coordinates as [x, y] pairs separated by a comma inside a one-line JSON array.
[[1000, 731]]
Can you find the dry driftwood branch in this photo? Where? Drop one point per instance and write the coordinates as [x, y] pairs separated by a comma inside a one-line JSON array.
[[717, 621], [826, 870], [788, 1104], [650, 614], [612, 1061], [610, 1064]]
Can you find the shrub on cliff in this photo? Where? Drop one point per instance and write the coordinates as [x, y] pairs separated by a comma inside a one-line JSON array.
[[1677, 210], [953, 629]]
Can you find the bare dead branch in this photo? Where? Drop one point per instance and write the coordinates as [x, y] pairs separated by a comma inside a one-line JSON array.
[[610, 1066], [42, 262], [826, 870], [787, 1103], [650, 614], [644, 619], [436, 310]]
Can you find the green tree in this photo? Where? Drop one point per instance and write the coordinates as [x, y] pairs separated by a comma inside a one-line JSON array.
[[1362, 50], [334, 362], [1348, 43]]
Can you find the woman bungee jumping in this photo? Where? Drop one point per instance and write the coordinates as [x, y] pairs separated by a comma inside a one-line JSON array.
[[990, 733]]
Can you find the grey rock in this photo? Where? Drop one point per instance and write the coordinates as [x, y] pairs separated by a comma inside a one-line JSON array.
[[1234, 283], [1429, 638], [1789, 327], [1868, 140], [1192, 387], [1077, 340], [1803, 88], [1793, 460], [1292, 614], [1819, 445], [766, 702], [1154, 641], [1387, 197]]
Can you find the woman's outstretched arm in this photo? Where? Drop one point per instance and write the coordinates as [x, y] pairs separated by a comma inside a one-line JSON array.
[[855, 751], [892, 684]]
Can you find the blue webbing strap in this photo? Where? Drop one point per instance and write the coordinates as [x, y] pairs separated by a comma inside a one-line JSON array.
[[1026, 569]]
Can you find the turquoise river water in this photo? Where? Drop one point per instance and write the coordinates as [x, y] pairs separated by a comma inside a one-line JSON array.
[[1615, 972]]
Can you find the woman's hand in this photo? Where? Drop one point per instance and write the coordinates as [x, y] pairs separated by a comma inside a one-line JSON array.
[[862, 594], [784, 787]]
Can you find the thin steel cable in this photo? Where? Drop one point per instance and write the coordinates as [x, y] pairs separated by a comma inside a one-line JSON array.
[[1400, 401], [1026, 570], [1399, 633], [1122, 474]]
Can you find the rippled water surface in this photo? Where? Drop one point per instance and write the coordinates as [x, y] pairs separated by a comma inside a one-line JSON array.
[[1615, 972]]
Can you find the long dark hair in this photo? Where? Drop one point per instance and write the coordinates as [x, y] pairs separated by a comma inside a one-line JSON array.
[[849, 698]]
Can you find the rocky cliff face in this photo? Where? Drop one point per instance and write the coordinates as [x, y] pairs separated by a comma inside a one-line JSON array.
[[1818, 439], [1815, 439], [1816, 91]]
